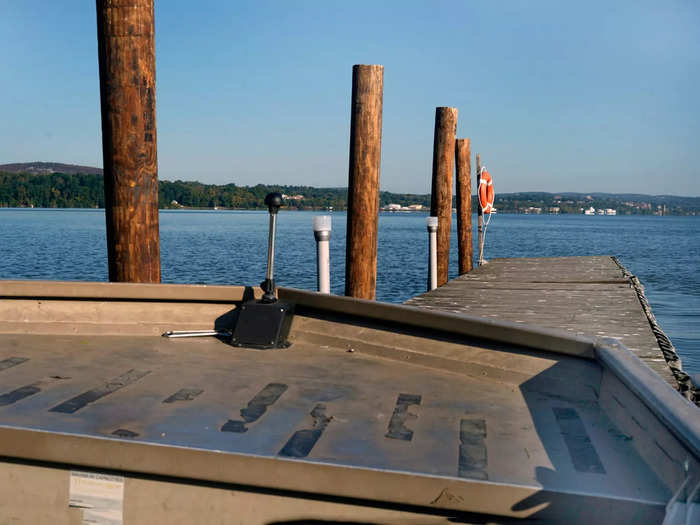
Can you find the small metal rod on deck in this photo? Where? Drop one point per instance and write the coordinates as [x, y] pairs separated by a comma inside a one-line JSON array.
[[432, 224], [126, 53], [273, 201], [269, 275], [174, 334], [322, 233], [480, 212], [441, 192], [464, 206], [363, 183]]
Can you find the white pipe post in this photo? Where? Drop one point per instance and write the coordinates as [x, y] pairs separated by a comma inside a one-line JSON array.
[[480, 211], [432, 223], [322, 233]]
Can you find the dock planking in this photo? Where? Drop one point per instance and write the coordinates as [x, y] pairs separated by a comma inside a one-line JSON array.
[[583, 295]]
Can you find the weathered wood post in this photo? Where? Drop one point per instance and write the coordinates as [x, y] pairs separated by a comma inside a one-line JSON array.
[[464, 206], [441, 193], [480, 212], [126, 52], [363, 183]]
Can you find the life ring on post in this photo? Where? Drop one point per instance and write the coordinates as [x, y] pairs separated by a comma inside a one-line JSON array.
[[486, 194]]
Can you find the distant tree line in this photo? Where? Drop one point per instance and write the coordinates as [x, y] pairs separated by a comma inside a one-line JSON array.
[[55, 190], [61, 190], [83, 190]]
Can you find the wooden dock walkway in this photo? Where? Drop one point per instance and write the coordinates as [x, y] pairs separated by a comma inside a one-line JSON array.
[[584, 295]]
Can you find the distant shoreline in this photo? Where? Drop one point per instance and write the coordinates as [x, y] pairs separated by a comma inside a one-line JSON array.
[[41, 189], [320, 210]]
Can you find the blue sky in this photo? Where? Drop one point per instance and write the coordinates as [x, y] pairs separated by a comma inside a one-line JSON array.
[[555, 95]]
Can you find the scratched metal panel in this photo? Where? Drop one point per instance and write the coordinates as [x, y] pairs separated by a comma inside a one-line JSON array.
[[326, 405]]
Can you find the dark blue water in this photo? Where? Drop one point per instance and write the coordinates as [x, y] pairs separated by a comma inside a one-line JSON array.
[[227, 247]]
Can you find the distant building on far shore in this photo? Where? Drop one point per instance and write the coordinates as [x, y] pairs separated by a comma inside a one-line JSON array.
[[599, 211], [398, 207]]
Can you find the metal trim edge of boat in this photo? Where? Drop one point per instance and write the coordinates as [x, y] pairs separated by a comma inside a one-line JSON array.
[[431, 493], [679, 414], [539, 338], [126, 291]]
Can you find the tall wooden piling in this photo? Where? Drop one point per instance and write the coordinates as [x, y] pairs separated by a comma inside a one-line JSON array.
[[363, 183], [441, 193], [464, 205], [126, 52]]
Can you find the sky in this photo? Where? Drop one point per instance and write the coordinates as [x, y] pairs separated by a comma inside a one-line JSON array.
[[555, 95]]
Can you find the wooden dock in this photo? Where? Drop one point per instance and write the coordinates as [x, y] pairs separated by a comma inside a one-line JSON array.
[[583, 295]]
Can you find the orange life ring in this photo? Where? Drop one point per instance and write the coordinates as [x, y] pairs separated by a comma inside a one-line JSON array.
[[486, 194]]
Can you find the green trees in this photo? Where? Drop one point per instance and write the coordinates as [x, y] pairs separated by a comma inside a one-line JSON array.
[[57, 190], [61, 190], [83, 190]]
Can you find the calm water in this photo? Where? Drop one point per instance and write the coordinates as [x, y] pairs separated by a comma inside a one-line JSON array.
[[227, 247]]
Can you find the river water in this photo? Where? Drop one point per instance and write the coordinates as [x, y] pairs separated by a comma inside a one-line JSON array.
[[229, 247]]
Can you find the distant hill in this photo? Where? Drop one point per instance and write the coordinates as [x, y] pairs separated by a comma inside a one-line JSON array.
[[46, 168]]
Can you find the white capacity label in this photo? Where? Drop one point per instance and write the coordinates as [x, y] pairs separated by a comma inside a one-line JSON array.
[[101, 497]]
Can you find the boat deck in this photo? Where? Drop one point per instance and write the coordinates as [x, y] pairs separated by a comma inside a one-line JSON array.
[[326, 405], [371, 403], [582, 295]]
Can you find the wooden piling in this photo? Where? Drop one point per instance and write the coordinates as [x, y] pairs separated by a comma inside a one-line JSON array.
[[441, 193], [126, 52], [464, 205], [363, 183]]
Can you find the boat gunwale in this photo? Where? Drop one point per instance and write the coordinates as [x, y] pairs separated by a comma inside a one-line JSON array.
[[538, 338], [424, 492], [76, 290], [680, 415], [496, 330]]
